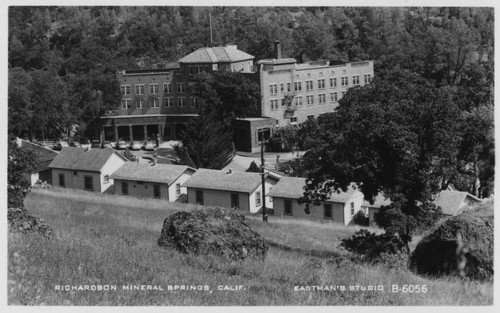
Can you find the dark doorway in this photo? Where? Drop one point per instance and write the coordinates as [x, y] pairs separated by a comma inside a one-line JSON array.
[[123, 133], [152, 131], [138, 132]]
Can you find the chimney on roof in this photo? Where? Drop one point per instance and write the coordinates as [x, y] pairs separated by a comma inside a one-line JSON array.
[[277, 50]]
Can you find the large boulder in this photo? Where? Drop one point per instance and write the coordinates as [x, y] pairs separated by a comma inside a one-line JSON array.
[[462, 245], [212, 231]]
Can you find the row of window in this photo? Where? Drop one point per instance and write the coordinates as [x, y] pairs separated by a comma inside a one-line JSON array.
[[156, 189], [235, 199], [155, 102], [327, 209], [88, 181], [297, 86], [153, 88], [309, 100]]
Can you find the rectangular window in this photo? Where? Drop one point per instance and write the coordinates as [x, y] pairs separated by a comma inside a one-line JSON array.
[[199, 197], [181, 102], [180, 87], [321, 84], [139, 89], [124, 188], [355, 80], [322, 98], [333, 97], [327, 211], [177, 189], [167, 88], [125, 89], [126, 103], [333, 82], [288, 207], [345, 81], [282, 87], [310, 100], [274, 104], [153, 89], [368, 78], [168, 102], [106, 179], [273, 89], [288, 87], [88, 183], [156, 191], [258, 198], [154, 103], [235, 201], [194, 102], [139, 103], [352, 208], [62, 183], [297, 86], [282, 102], [343, 94], [309, 85], [75, 173], [293, 120], [298, 101]]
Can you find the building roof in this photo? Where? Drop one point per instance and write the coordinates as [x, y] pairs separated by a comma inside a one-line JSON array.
[[224, 180], [159, 173], [43, 155], [83, 159], [452, 201], [216, 55], [293, 187], [277, 61]]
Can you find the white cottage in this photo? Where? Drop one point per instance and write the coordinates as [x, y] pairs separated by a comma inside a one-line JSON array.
[[87, 169], [161, 181], [229, 189], [339, 208]]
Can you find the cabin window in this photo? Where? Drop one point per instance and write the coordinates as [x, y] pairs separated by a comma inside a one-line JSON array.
[[199, 197], [106, 179], [61, 180], [88, 182], [235, 201], [177, 189], [258, 198], [75, 173], [352, 208], [124, 188], [327, 211], [288, 207], [156, 190]]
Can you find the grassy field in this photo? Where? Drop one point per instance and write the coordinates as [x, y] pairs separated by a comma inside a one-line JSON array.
[[107, 240]]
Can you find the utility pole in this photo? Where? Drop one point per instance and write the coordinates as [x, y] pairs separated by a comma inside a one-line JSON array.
[[263, 174]]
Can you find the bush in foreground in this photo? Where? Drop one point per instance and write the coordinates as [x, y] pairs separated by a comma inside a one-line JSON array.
[[462, 245], [213, 231]]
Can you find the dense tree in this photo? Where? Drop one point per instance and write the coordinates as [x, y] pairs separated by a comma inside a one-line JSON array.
[[397, 136], [226, 96], [20, 162], [206, 143]]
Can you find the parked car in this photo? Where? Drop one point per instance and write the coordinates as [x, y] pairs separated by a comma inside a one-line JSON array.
[[112, 145], [96, 144], [120, 145], [148, 145], [60, 144], [135, 145], [74, 144]]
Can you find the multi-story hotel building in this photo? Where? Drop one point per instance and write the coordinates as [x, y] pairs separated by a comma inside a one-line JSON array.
[[158, 103]]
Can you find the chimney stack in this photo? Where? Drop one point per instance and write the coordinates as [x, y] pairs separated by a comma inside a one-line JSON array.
[[277, 50]]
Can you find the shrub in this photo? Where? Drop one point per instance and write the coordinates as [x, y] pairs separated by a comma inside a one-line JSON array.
[[360, 218], [371, 247]]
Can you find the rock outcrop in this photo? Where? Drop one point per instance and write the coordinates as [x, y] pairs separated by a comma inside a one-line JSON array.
[[213, 231]]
